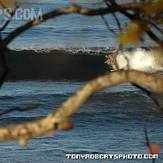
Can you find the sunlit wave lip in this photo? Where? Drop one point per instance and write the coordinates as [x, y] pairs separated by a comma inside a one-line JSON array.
[[73, 51]]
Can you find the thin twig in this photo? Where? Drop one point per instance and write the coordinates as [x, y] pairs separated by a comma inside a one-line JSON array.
[[148, 93], [65, 11], [132, 17], [154, 25], [5, 68], [9, 20], [18, 109], [114, 15], [147, 140], [118, 22], [107, 25]]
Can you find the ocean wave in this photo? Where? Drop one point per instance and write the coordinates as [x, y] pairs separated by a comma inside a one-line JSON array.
[[104, 96], [34, 95], [73, 51]]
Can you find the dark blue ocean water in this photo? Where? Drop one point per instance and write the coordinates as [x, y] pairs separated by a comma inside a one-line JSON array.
[[110, 122]]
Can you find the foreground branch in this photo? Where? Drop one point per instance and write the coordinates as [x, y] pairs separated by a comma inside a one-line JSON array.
[[59, 119]]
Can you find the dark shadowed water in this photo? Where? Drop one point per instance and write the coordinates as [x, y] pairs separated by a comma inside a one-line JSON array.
[[110, 122]]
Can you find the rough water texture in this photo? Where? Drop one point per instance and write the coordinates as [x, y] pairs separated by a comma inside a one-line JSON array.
[[55, 64], [110, 122], [72, 47]]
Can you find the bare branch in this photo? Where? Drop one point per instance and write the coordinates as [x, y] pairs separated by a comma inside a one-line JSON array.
[[114, 15], [82, 11], [17, 109], [2, 53], [117, 21], [132, 17], [4, 66], [149, 94], [154, 25], [9, 20], [154, 37], [107, 25], [54, 121]]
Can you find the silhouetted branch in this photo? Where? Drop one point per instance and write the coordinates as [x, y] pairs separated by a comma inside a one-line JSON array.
[[65, 11], [147, 140], [5, 68], [123, 8], [114, 15], [2, 52], [9, 19], [134, 17], [159, 108], [154, 37], [117, 21], [148, 93], [18, 109], [107, 25], [155, 26]]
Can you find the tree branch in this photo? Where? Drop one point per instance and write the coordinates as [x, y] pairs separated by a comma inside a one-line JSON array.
[[147, 140], [65, 11], [9, 19], [123, 8], [5, 68], [58, 120]]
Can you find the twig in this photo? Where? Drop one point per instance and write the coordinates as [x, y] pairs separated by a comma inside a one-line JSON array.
[[147, 140], [2, 53], [148, 93], [107, 25], [118, 22], [9, 20], [154, 25], [65, 11], [82, 11], [17, 109], [154, 37], [132, 17], [114, 15], [4, 66]]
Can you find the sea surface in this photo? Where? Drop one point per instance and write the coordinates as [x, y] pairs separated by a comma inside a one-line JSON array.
[[68, 31], [110, 122]]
